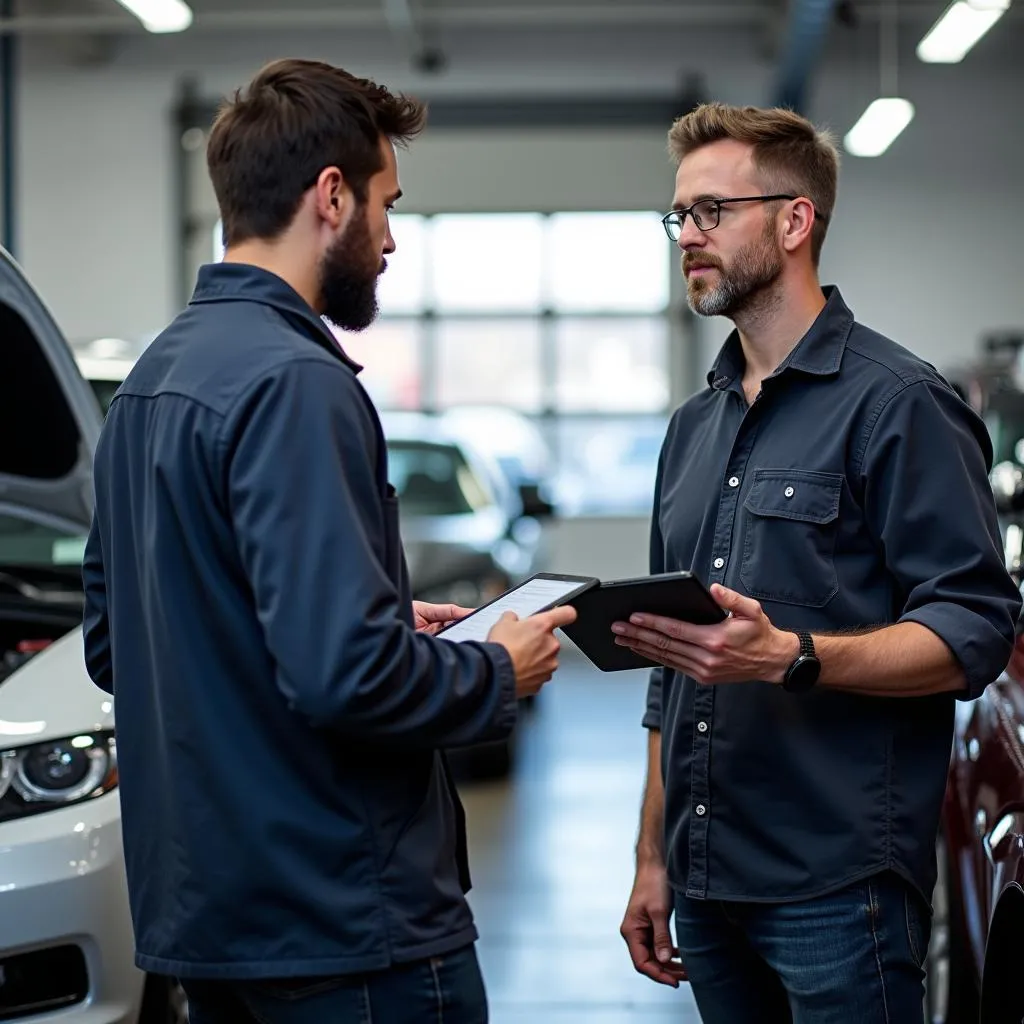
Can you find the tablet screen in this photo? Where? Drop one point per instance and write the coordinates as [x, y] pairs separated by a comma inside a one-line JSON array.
[[526, 599]]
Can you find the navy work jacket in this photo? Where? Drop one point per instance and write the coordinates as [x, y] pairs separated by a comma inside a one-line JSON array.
[[286, 805]]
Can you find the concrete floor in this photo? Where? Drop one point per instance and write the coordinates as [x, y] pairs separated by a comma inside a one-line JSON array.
[[552, 858]]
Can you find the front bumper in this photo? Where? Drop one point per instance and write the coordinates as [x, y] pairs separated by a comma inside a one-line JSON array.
[[62, 883]]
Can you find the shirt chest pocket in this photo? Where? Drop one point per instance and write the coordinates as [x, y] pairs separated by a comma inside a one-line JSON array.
[[791, 520]]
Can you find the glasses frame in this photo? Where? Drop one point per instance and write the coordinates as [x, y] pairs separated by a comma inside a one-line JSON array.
[[680, 214]]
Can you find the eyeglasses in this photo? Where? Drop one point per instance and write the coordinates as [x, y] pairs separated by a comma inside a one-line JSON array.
[[707, 213]]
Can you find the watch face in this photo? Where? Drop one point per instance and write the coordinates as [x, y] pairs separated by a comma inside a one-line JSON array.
[[804, 674]]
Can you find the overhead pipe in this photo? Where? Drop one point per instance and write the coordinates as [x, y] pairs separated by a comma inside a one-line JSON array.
[[802, 45]]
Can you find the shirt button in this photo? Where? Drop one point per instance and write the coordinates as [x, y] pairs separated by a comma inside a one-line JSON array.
[[789, 492], [734, 481], [702, 727], [701, 810], [719, 562]]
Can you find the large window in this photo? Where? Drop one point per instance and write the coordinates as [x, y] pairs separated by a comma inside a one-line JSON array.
[[560, 319]]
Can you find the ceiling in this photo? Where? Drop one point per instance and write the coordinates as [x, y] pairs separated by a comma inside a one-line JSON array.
[[107, 16], [624, 41]]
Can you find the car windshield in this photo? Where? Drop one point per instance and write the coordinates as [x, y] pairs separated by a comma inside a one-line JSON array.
[[434, 479], [26, 543]]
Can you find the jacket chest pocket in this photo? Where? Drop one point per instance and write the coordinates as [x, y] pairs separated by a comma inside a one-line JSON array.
[[790, 528]]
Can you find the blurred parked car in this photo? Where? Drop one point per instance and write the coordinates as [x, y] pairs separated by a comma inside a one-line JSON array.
[[516, 443], [66, 943], [978, 929], [468, 533]]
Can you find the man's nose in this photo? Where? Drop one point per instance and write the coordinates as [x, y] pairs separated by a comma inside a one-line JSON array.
[[690, 236]]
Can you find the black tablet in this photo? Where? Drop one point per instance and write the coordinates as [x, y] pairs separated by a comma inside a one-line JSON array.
[[540, 592], [677, 595]]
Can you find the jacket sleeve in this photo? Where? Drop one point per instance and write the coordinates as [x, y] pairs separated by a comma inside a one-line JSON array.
[[652, 713], [95, 624], [310, 525], [929, 501]]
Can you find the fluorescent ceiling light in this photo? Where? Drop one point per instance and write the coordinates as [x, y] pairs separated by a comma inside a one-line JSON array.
[[878, 126], [962, 24], [160, 15]]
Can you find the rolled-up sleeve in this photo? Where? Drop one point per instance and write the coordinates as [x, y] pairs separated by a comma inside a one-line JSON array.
[[929, 502], [652, 712]]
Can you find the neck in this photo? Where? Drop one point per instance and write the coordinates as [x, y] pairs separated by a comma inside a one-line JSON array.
[[773, 323], [279, 258]]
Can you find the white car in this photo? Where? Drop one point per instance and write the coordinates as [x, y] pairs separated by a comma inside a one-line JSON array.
[[66, 942]]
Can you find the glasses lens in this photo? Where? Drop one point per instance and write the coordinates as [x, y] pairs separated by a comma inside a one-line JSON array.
[[673, 226], [705, 215]]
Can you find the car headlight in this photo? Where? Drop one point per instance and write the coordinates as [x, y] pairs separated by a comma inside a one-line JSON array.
[[56, 773]]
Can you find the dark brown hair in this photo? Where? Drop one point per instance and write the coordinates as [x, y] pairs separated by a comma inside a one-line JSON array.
[[270, 142], [790, 154]]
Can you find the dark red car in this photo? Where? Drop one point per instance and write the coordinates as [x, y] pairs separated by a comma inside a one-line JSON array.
[[976, 957]]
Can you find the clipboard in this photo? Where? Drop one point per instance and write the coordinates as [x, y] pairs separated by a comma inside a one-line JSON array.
[[676, 595]]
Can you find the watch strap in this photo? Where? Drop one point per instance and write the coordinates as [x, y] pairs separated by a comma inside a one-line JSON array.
[[806, 645]]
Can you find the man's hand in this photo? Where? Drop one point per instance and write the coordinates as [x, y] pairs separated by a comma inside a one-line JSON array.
[[430, 618], [645, 927], [746, 646], [532, 645]]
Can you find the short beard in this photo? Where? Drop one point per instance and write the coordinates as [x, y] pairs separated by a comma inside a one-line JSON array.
[[348, 277], [755, 268]]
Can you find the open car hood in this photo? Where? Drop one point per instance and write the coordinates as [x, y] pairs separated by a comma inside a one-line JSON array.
[[49, 418]]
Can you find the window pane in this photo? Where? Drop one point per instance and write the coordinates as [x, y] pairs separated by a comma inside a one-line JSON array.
[[487, 262], [481, 361], [390, 354], [402, 287], [608, 261], [607, 466], [614, 365]]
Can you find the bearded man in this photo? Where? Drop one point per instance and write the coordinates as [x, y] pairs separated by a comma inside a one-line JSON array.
[[294, 845], [832, 489]]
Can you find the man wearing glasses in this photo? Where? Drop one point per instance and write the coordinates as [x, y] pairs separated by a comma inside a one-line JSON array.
[[833, 490]]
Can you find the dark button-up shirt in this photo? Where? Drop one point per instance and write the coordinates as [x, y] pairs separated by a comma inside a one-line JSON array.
[[286, 807], [851, 493]]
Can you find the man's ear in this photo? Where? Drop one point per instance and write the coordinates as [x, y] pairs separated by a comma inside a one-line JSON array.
[[798, 224], [332, 197]]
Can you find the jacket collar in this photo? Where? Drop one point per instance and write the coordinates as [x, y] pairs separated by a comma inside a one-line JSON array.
[[242, 282], [819, 352]]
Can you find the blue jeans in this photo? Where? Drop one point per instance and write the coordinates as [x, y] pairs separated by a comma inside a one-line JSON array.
[[443, 990], [851, 957]]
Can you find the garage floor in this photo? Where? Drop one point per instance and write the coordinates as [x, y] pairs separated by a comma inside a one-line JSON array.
[[552, 856]]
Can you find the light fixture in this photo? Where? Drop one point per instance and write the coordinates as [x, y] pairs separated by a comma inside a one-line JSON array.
[[962, 24], [879, 126], [160, 15]]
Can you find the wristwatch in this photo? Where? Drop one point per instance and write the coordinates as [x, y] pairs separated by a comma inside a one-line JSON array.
[[804, 672]]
